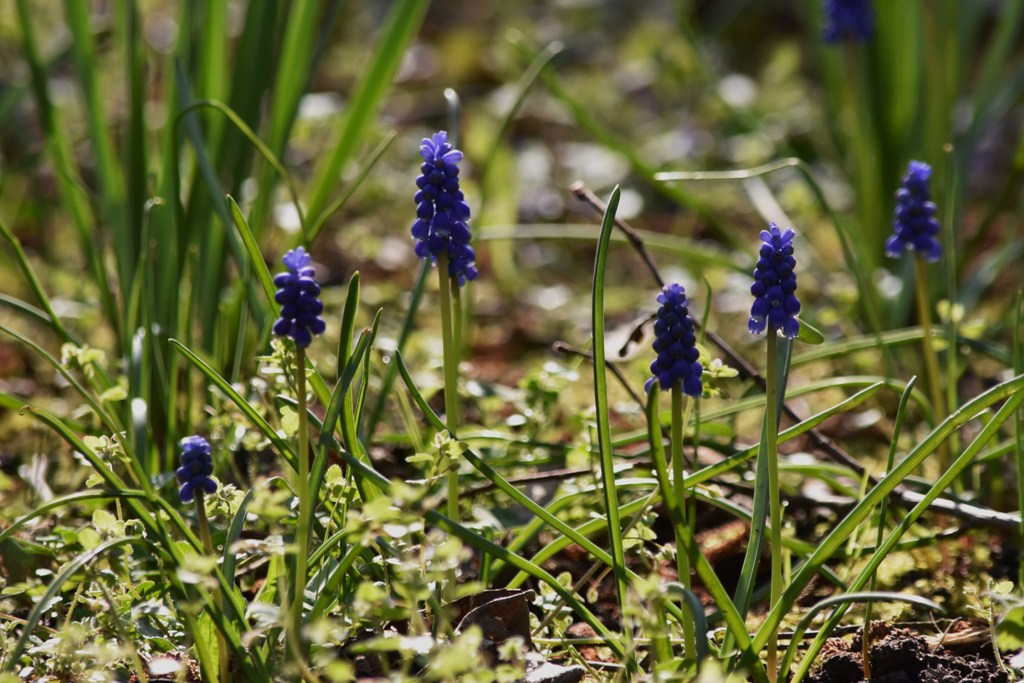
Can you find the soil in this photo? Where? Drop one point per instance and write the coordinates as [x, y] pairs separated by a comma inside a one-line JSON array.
[[903, 656]]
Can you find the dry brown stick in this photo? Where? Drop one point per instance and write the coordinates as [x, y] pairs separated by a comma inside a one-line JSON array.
[[899, 495]]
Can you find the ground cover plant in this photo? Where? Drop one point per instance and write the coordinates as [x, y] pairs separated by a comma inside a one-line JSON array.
[[511, 341]]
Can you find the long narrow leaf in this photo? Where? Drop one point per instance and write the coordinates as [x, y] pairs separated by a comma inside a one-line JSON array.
[[402, 23], [223, 385]]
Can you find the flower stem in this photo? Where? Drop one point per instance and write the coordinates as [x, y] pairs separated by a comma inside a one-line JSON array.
[[771, 424], [451, 393], [207, 540], [931, 359], [294, 632], [679, 418]]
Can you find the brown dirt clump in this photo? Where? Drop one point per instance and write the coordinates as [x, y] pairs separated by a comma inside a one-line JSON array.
[[903, 656]]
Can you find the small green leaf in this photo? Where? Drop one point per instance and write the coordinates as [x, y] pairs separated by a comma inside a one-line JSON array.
[[107, 524], [332, 475], [810, 334], [89, 538], [1010, 630], [117, 393], [420, 458], [289, 421], [207, 644]]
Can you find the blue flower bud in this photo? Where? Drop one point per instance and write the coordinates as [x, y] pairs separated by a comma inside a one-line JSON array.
[[196, 468], [852, 20], [675, 342], [299, 298], [442, 215], [775, 304], [915, 226]]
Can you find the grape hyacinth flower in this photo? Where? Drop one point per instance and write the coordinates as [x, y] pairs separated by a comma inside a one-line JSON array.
[[848, 20], [298, 295], [775, 308], [775, 304], [442, 214], [196, 468], [915, 226], [194, 475], [676, 344]]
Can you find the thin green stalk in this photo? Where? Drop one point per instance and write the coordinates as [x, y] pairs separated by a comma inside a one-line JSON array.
[[294, 631], [774, 501], [451, 392], [403, 338], [1018, 420], [704, 570], [204, 536], [931, 359], [882, 514], [679, 419]]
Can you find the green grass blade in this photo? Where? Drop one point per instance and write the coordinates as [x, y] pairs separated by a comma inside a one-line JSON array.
[[1018, 420], [21, 260], [403, 338], [604, 437], [37, 315], [111, 182], [321, 219], [133, 155], [348, 361], [234, 532], [1010, 391], [734, 621], [327, 581], [295, 69], [707, 473], [846, 599], [1005, 413], [497, 479], [401, 25], [253, 249], [72, 192], [250, 135], [335, 412], [697, 610], [522, 89], [209, 274], [281, 445], [69, 499], [109, 420], [751, 559]]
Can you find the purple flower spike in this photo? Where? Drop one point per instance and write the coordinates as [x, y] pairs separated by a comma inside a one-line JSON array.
[[852, 20], [299, 296], [915, 226], [676, 344], [196, 468], [442, 214], [774, 289]]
